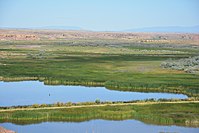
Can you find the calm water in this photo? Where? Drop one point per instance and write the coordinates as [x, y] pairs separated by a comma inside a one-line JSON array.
[[31, 92], [98, 126]]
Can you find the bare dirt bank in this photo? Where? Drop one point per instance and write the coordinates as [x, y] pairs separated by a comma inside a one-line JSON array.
[[3, 130]]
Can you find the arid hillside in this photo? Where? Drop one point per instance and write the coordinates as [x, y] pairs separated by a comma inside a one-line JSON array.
[[170, 38]]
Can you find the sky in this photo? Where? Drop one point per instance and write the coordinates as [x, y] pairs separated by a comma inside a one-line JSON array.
[[99, 15]]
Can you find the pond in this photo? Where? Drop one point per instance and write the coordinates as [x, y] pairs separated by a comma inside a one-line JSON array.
[[98, 126], [35, 92]]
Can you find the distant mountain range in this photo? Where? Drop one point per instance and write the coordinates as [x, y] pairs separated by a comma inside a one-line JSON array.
[[169, 29], [178, 29], [48, 28], [59, 27]]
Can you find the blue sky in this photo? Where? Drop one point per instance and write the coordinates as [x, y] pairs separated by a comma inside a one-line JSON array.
[[99, 14]]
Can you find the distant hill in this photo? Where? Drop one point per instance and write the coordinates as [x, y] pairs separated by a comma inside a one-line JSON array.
[[169, 29], [178, 29], [60, 27], [48, 28]]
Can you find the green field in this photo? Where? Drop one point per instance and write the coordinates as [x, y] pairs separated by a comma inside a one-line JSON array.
[[120, 66]]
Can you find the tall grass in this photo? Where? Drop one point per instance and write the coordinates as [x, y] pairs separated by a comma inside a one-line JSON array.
[[185, 114]]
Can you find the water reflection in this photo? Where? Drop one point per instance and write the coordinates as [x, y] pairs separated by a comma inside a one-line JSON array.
[[98, 126], [31, 92]]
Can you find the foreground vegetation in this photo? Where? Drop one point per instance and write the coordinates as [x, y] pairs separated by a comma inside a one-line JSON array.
[[97, 102], [183, 114]]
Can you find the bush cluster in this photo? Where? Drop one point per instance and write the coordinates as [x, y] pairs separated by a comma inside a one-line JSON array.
[[189, 65]]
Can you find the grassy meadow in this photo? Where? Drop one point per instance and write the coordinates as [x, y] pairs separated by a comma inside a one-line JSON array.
[[118, 65]]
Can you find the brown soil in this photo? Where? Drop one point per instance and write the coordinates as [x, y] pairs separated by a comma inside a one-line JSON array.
[[3, 130]]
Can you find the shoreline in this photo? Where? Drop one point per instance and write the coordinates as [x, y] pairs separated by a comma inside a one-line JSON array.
[[96, 105]]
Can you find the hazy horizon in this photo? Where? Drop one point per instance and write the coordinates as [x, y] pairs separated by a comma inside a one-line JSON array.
[[169, 29], [112, 15]]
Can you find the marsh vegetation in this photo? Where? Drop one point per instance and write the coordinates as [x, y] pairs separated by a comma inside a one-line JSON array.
[[184, 114], [120, 67]]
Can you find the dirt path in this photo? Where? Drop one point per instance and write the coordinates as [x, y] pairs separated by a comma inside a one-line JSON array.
[[97, 105]]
